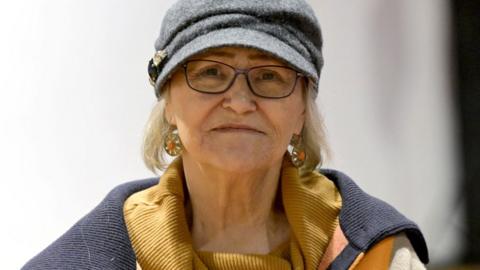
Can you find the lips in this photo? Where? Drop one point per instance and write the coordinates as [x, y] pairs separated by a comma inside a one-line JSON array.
[[236, 128]]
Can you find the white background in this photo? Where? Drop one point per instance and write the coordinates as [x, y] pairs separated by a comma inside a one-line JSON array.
[[74, 100]]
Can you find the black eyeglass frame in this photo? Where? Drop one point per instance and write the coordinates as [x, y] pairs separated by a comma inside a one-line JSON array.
[[239, 71]]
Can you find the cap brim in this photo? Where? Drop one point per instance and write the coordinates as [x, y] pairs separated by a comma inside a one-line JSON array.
[[238, 37]]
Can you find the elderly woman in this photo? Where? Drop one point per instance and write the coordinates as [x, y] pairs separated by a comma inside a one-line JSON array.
[[236, 83]]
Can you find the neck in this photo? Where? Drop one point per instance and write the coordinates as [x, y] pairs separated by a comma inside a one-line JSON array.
[[227, 206]]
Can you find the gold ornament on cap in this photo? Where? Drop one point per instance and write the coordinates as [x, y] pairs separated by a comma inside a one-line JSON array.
[[153, 70], [159, 56]]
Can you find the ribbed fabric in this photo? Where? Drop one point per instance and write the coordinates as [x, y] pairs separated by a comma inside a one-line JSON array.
[[157, 225], [100, 239], [310, 205]]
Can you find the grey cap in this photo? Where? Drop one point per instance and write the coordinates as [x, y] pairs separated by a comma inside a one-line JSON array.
[[287, 29]]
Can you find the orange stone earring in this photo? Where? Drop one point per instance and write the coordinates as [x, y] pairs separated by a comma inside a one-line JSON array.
[[173, 145], [297, 150]]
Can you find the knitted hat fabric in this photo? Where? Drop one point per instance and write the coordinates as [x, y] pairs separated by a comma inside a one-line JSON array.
[[286, 29]]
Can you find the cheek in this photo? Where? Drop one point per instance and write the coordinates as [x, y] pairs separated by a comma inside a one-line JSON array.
[[189, 128], [191, 113], [182, 102], [290, 118], [188, 120]]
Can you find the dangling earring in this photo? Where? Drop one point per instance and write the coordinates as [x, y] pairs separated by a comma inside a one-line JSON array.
[[297, 150], [173, 145]]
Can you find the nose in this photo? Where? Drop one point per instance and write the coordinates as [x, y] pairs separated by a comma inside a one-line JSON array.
[[239, 98]]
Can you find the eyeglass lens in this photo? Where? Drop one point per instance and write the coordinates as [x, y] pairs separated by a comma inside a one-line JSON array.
[[215, 77]]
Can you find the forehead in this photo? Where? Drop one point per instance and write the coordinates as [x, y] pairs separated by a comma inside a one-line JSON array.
[[235, 53]]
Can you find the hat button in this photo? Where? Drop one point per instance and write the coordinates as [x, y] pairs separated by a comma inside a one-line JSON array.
[[159, 56]]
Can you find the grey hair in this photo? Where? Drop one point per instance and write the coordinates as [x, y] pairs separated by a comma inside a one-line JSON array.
[[314, 134], [157, 128]]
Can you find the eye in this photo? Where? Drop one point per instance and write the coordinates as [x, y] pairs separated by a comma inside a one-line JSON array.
[[268, 75], [207, 72], [210, 72]]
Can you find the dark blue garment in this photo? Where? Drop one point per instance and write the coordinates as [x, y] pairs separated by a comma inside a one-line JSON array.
[[366, 220], [99, 241]]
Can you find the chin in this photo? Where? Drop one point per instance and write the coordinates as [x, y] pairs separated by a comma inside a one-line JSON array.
[[237, 156], [241, 162]]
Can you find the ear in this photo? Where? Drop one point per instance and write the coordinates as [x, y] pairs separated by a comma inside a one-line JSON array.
[[299, 123], [167, 113], [301, 118], [168, 109]]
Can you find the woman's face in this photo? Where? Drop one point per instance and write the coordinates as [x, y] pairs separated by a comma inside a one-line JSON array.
[[234, 130]]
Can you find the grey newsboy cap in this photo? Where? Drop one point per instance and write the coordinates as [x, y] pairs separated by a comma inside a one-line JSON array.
[[287, 29]]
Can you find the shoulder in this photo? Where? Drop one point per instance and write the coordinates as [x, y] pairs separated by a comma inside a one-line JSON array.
[[393, 253], [366, 221], [404, 255], [99, 240]]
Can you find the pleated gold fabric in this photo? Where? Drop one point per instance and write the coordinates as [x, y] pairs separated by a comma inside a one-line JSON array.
[[157, 225]]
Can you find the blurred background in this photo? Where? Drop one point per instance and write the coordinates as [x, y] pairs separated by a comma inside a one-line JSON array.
[[399, 93]]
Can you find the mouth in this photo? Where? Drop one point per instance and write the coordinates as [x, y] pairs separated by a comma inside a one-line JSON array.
[[237, 128]]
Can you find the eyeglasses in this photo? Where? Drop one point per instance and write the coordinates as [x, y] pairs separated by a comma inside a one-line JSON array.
[[213, 77]]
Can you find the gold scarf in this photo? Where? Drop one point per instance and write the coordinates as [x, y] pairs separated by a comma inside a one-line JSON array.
[[157, 225]]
